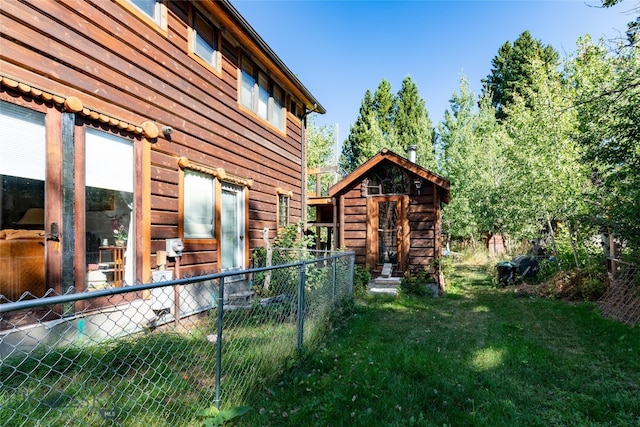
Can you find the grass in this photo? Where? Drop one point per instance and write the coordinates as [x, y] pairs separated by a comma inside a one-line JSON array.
[[160, 378], [478, 357]]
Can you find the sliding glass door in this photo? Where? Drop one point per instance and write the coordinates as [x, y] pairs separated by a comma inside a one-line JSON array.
[[23, 165]]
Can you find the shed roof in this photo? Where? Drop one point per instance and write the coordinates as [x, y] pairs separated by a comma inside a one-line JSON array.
[[386, 155]]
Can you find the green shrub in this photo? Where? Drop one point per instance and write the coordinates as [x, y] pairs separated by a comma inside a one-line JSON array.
[[361, 278], [417, 283]]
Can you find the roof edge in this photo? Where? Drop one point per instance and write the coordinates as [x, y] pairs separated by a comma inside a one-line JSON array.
[[229, 8], [386, 154]]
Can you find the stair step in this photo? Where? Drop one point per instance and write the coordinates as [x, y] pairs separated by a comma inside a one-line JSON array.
[[387, 269]]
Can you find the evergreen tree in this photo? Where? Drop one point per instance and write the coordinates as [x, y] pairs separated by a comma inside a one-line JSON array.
[[512, 72], [351, 148], [412, 125], [383, 105], [392, 122]]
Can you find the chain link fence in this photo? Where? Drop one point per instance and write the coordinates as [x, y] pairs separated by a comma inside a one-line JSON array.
[[621, 301], [156, 354]]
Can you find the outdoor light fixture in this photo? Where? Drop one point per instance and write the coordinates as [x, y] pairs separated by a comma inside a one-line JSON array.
[[418, 183]]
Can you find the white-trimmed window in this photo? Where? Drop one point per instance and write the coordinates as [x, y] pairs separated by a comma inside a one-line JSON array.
[[153, 12], [204, 39], [199, 205], [110, 200], [262, 95], [151, 8]]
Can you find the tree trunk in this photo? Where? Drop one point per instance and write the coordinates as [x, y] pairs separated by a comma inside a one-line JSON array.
[[553, 240], [573, 244]]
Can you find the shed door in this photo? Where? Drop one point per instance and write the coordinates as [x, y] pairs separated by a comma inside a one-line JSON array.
[[388, 232]]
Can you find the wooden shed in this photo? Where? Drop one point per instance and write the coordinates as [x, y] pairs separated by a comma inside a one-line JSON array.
[[389, 211]]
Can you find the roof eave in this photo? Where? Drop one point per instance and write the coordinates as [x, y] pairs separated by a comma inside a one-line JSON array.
[[313, 103]]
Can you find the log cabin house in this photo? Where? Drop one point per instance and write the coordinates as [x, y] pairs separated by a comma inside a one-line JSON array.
[[388, 211], [162, 119]]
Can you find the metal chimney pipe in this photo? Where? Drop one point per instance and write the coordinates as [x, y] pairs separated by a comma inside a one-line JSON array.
[[412, 153]]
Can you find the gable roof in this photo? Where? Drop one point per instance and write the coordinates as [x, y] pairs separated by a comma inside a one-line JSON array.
[[386, 155]]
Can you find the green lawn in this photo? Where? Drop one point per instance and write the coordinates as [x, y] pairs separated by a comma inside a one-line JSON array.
[[478, 357]]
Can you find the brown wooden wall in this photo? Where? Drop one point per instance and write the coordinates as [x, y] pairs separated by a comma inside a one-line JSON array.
[[355, 224], [115, 63], [422, 224]]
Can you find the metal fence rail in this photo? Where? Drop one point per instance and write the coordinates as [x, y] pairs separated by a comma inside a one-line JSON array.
[[157, 353]]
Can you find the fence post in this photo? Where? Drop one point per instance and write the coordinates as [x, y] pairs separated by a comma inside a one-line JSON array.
[[335, 279], [219, 341], [301, 281]]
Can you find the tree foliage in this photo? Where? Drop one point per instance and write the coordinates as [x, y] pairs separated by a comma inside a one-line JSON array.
[[321, 152], [564, 149], [392, 122], [607, 99], [512, 71], [472, 146]]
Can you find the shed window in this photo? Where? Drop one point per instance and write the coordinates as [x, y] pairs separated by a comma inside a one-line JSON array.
[[388, 180]]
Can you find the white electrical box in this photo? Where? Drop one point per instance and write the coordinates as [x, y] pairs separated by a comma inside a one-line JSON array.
[[162, 298], [174, 247]]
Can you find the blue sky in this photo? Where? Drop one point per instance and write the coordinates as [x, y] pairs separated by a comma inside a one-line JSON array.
[[339, 49]]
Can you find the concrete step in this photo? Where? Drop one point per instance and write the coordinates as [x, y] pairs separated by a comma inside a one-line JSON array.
[[387, 281], [387, 270], [384, 289]]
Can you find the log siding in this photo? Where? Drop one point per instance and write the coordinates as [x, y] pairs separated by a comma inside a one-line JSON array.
[[129, 77]]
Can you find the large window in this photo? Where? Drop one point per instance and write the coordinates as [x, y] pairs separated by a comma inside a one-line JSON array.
[[109, 206], [22, 202], [199, 205], [262, 95], [204, 39], [22, 165]]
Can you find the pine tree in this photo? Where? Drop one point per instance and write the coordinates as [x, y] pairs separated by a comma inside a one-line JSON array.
[[512, 70], [351, 148], [412, 125], [392, 122]]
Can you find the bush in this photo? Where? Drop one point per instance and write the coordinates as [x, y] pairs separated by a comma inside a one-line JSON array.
[[361, 278], [417, 283]]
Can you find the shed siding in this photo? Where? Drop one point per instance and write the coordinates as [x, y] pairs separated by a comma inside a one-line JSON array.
[[355, 224]]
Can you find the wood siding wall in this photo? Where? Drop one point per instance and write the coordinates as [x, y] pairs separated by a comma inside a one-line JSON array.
[[423, 220], [115, 63], [355, 224]]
